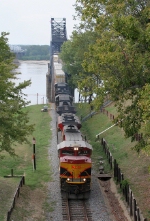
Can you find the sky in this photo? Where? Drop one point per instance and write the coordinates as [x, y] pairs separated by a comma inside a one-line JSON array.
[[28, 21]]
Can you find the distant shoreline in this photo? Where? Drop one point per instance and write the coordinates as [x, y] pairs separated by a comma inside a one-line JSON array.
[[34, 61]]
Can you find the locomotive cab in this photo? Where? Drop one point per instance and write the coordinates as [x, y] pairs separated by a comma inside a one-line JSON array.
[[76, 151], [75, 168]]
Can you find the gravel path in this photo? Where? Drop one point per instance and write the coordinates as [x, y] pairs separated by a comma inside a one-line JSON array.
[[96, 201]]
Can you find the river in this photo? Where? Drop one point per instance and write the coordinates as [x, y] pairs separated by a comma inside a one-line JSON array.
[[36, 71]]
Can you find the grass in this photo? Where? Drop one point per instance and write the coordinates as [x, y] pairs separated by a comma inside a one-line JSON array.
[[32, 201], [22, 164], [133, 166], [112, 109]]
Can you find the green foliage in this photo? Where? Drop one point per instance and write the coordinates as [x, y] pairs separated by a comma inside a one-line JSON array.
[[144, 104], [36, 52], [14, 122], [72, 55], [124, 184], [114, 57]]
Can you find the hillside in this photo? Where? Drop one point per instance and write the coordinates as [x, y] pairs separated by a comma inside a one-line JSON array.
[[133, 166]]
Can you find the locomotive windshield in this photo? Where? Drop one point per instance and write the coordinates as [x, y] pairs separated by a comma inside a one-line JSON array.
[[83, 152], [68, 152], [75, 151]]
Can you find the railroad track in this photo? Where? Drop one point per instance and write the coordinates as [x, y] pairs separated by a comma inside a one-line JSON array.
[[75, 210]]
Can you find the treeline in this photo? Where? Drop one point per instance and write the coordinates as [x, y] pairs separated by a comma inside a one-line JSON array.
[[109, 54], [35, 52]]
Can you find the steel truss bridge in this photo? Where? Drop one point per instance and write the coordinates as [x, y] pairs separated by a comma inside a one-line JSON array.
[[58, 35]]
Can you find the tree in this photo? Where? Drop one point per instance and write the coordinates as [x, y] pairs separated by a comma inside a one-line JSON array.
[[72, 55], [121, 54], [14, 121], [144, 103]]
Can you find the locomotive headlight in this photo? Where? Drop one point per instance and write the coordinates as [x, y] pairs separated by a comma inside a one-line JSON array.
[[84, 179], [68, 179], [76, 148]]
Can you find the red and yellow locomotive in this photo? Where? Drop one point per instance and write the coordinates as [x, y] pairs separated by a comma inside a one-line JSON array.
[[75, 168]]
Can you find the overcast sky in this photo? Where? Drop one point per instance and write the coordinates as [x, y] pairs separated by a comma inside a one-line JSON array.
[[28, 21]]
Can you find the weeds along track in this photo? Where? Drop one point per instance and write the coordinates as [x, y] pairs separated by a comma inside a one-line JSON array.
[[75, 210]]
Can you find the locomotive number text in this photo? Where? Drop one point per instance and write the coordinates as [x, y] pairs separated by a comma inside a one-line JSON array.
[[76, 167]]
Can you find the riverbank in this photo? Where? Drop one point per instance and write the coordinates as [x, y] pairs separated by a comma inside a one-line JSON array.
[[42, 62], [34, 61]]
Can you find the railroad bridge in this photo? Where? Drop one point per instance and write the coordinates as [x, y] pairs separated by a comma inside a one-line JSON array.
[[58, 37]]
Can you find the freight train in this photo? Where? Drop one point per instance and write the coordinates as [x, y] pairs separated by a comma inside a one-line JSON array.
[[74, 151]]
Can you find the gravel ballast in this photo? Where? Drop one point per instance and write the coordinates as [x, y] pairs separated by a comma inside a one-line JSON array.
[[99, 210]]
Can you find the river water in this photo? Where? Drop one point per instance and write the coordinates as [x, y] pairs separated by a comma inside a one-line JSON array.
[[36, 71]]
